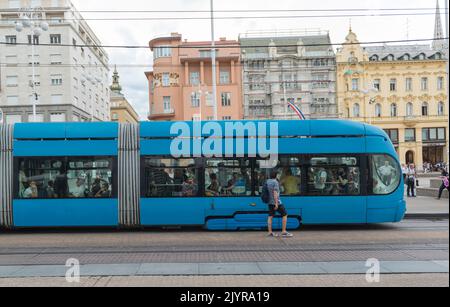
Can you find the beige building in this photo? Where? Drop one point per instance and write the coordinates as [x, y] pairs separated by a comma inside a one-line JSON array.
[[401, 89], [121, 110]]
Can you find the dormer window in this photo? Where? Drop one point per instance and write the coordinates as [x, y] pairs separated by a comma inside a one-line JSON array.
[[374, 58]]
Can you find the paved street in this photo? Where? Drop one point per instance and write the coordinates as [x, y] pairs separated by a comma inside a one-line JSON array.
[[316, 255]]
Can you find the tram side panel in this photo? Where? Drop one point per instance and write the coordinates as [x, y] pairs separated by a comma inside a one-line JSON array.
[[71, 157]]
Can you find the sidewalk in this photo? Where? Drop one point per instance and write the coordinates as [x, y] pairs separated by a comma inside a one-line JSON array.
[[423, 207]]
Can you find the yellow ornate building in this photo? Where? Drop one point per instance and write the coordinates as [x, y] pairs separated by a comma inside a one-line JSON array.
[[121, 110], [401, 89]]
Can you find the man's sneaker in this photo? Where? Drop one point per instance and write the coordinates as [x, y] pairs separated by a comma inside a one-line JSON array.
[[272, 235], [287, 235]]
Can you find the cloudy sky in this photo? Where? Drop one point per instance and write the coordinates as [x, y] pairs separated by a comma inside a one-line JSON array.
[[126, 32]]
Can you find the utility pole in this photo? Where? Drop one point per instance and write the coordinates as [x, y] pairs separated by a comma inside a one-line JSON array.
[[213, 61], [448, 54]]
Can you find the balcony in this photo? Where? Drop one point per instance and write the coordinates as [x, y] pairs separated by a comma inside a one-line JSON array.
[[166, 114]]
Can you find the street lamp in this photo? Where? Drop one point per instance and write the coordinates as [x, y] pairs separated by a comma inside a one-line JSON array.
[[32, 19]]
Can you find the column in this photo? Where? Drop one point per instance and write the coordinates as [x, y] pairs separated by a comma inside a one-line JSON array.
[[186, 74], [202, 73], [232, 75]]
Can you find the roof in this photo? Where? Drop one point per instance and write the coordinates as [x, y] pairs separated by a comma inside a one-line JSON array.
[[398, 51], [257, 43]]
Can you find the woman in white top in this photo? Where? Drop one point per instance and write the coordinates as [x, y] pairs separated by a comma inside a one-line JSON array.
[[411, 180]]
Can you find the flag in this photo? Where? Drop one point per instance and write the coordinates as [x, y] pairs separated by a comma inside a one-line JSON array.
[[297, 110]]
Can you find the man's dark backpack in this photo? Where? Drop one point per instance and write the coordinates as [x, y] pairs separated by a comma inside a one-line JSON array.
[[265, 195]]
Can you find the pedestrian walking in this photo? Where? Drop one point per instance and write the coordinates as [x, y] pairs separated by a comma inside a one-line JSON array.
[[271, 196], [404, 170], [411, 176], [445, 183]]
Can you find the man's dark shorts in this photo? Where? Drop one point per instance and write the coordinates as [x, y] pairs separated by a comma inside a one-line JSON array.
[[281, 210]]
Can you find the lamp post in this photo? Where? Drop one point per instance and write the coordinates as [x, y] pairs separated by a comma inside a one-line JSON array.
[[213, 61], [32, 19]]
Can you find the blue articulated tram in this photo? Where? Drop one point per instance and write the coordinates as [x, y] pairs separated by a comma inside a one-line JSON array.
[[208, 174]]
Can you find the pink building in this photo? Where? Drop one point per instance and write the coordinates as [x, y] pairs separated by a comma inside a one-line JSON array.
[[180, 85]]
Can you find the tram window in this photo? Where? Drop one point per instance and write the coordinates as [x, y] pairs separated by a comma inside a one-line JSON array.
[[386, 174], [47, 178], [167, 177], [332, 176], [289, 174], [89, 178], [228, 177]]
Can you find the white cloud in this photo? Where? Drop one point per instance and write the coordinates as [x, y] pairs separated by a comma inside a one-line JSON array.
[[119, 32]]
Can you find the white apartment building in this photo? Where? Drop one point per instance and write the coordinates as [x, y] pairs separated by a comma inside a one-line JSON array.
[[71, 81], [297, 66]]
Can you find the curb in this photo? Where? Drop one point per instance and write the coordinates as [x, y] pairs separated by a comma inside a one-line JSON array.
[[424, 216]]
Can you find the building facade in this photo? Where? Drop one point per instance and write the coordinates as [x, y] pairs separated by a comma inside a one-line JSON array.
[[180, 85], [121, 110], [297, 67], [71, 81], [401, 89]]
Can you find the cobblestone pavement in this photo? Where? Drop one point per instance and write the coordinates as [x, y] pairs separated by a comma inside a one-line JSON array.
[[411, 240], [404, 280]]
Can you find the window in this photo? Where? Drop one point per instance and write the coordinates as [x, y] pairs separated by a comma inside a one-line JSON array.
[[12, 81], [162, 51], [11, 60], [57, 99], [410, 135], [378, 110], [42, 178], [39, 118], [35, 59], [56, 80], [56, 59], [441, 108], [12, 100], [55, 39], [195, 100], [205, 53], [355, 84], [224, 77], [440, 83], [226, 118], [409, 109], [408, 84], [11, 39], [334, 175], [393, 135], [167, 105], [228, 177], [393, 85], [165, 79], [393, 110], [424, 84], [356, 110], [289, 171], [425, 109], [35, 40], [226, 99], [13, 118], [166, 177], [377, 84], [433, 134], [14, 4], [57, 117], [386, 175], [194, 78]]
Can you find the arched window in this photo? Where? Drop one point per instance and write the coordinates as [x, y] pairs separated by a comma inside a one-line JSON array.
[[374, 58], [441, 108], [393, 110], [409, 109], [356, 110], [378, 110], [425, 109]]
